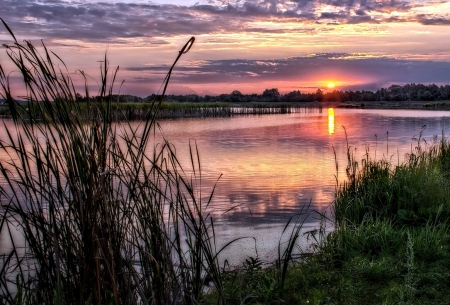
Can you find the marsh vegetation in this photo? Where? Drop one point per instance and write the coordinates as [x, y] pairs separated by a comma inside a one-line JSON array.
[[103, 222]]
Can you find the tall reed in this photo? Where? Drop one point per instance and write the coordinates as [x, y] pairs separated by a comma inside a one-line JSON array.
[[381, 205], [108, 216], [412, 192]]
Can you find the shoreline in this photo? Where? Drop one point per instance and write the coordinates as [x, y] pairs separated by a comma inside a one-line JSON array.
[[408, 105], [170, 110]]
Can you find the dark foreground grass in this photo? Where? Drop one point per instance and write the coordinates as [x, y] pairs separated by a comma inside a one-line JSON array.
[[106, 216]]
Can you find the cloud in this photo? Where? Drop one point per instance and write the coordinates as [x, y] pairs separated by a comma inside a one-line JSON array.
[[433, 20], [107, 21], [379, 70], [102, 21]]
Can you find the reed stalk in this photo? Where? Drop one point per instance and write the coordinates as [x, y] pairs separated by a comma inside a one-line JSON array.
[[107, 215]]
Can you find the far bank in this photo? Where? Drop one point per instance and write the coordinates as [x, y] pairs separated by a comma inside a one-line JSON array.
[[175, 109]]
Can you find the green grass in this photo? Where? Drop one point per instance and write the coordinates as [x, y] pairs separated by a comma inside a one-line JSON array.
[[441, 104], [174, 109], [390, 245], [391, 238], [127, 111]]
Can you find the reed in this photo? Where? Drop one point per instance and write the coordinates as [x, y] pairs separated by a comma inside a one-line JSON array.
[[378, 190], [107, 216], [391, 230], [174, 109]]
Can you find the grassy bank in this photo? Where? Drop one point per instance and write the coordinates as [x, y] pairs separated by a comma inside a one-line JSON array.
[[390, 244], [123, 111], [174, 109], [127, 111]]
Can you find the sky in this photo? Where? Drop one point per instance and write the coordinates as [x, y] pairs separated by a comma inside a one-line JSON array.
[[245, 45]]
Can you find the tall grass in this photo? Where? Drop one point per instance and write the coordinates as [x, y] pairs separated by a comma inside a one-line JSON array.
[[173, 109], [107, 216], [414, 192], [392, 227]]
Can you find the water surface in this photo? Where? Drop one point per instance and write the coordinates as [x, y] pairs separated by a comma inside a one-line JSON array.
[[268, 168], [271, 167]]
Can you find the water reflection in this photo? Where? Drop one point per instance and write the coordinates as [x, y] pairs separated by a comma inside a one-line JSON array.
[[274, 165], [330, 121]]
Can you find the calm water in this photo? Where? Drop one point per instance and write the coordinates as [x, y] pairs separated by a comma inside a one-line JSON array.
[[272, 166]]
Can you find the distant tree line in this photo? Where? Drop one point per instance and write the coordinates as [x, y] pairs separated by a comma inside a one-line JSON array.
[[409, 92]]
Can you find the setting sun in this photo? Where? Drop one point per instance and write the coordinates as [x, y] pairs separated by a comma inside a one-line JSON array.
[[331, 85]]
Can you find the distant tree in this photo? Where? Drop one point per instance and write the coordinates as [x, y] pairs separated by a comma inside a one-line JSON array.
[[319, 95], [425, 95], [445, 92], [236, 96], [434, 90], [271, 94], [151, 97], [411, 92], [335, 96], [294, 96], [78, 97]]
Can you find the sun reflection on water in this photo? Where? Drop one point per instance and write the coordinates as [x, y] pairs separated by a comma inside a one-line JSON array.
[[330, 121]]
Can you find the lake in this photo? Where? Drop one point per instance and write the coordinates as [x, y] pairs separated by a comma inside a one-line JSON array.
[[268, 168]]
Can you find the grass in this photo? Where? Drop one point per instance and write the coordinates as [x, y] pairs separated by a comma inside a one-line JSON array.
[[390, 244], [173, 109], [441, 104], [126, 111], [107, 217]]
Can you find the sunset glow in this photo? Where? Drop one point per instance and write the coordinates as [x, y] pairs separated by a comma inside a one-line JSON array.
[[242, 45]]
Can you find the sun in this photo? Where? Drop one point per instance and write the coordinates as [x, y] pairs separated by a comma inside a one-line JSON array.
[[331, 85]]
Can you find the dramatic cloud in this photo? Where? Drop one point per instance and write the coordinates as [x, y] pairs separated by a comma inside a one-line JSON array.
[[381, 71], [106, 21], [246, 43], [433, 20]]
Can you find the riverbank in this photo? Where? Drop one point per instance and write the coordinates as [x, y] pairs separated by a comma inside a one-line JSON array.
[[402, 105], [390, 244], [172, 109]]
